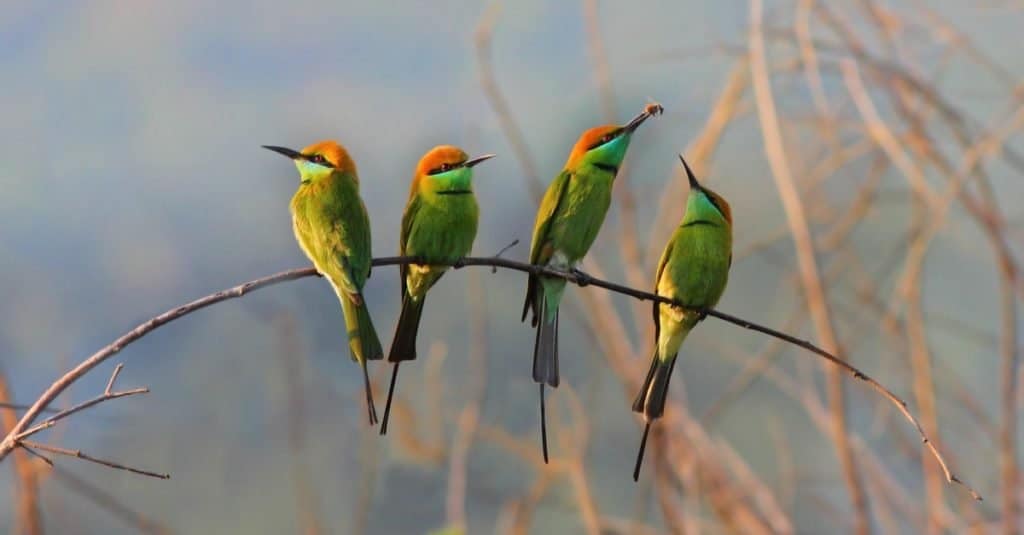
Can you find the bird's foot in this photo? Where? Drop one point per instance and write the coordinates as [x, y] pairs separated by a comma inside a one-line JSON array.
[[580, 278]]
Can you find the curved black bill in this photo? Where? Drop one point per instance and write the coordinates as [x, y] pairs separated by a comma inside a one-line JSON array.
[[284, 151], [473, 161], [689, 174]]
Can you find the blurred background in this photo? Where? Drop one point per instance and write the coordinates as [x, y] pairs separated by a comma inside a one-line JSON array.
[[870, 151]]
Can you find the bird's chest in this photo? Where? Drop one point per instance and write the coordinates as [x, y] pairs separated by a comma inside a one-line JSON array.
[[697, 271], [444, 230], [318, 217], [581, 214]]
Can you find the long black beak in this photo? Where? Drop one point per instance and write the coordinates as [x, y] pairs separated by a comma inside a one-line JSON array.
[[650, 111], [689, 175], [479, 159], [292, 154]]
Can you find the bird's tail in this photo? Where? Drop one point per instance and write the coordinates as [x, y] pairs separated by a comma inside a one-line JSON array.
[[545, 358], [545, 345], [363, 342], [403, 346], [651, 400]]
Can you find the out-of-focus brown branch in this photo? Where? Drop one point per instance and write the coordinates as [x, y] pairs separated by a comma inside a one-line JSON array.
[[28, 519], [804, 244], [575, 440], [1009, 370], [921, 366], [698, 155], [598, 55], [293, 357], [469, 416], [632, 257], [489, 83]]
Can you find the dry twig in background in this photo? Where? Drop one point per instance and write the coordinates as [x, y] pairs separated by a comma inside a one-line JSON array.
[[28, 519], [814, 293]]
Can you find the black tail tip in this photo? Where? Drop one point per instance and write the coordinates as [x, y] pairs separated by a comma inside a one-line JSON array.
[[640, 454], [391, 395], [544, 427]]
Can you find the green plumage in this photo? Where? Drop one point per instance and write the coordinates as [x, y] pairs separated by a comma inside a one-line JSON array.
[[439, 225], [568, 221], [333, 229], [694, 269], [440, 228]]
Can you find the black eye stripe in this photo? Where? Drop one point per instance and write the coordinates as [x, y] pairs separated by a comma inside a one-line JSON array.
[[319, 160], [714, 202], [605, 139], [444, 168]]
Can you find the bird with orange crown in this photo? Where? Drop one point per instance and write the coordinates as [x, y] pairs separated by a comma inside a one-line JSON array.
[[333, 229], [439, 226], [569, 218]]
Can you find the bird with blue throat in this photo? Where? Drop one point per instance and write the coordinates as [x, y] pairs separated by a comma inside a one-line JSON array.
[[693, 271], [568, 221], [439, 225], [333, 230]]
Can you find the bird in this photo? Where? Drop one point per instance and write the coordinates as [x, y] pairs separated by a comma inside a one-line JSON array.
[[568, 220], [693, 271], [333, 229], [439, 225]]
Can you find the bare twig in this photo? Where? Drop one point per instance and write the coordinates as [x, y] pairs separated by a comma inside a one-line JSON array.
[[85, 457], [108, 394], [108, 351], [576, 277]]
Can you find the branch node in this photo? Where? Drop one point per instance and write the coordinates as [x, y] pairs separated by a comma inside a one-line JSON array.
[[113, 377], [580, 278]]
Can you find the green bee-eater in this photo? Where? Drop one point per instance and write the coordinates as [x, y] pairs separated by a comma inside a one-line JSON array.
[[332, 228], [439, 225], [568, 220], [693, 270]]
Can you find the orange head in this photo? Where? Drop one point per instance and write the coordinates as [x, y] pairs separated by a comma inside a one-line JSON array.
[[333, 153], [589, 140], [605, 146], [445, 168], [318, 159], [440, 159]]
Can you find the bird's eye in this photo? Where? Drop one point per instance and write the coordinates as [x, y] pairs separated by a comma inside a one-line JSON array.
[[607, 138], [318, 159]]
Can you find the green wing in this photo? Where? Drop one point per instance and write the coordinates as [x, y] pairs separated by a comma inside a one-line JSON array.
[[546, 214], [408, 219], [339, 237], [549, 206]]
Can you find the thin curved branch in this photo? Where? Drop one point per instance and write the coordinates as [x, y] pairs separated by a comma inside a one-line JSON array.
[[576, 277]]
